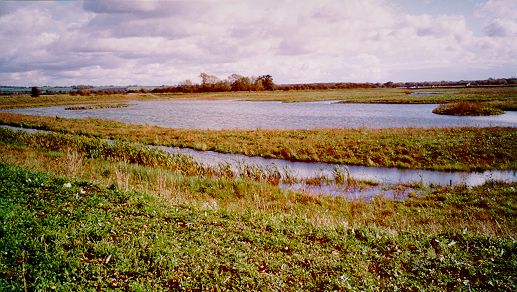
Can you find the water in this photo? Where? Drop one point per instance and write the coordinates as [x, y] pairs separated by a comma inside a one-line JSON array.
[[232, 114], [425, 93], [382, 175]]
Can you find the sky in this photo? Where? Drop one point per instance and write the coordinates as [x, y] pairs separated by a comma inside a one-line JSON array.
[[109, 42]]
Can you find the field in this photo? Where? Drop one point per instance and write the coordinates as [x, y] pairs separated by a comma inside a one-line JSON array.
[[80, 213], [505, 95]]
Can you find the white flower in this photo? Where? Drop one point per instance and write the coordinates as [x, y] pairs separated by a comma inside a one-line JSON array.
[[67, 185]]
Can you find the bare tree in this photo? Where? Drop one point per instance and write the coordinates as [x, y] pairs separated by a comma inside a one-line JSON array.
[[207, 79]]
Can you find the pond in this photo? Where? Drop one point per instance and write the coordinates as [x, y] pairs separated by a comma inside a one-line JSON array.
[[235, 114]]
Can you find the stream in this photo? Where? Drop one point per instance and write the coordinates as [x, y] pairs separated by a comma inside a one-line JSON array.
[[382, 179]]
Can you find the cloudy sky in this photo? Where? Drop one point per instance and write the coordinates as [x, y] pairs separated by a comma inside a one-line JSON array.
[[109, 42]]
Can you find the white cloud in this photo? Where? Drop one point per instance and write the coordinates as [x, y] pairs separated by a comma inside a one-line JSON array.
[[500, 17], [162, 42]]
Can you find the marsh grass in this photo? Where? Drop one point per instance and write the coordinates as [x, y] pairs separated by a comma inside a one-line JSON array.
[[121, 154], [74, 161], [181, 228], [467, 109], [122, 175], [235, 193], [20, 101]]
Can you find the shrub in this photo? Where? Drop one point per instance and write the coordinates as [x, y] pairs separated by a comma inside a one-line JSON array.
[[464, 108]]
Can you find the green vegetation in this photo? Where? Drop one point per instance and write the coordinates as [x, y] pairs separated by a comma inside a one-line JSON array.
[[467, 109], [134, 168], [502, 95], [75, 235], [436, 148], [97, 106], [133, 153]]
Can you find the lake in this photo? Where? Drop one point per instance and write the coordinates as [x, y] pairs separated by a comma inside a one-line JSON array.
[[235, 114]]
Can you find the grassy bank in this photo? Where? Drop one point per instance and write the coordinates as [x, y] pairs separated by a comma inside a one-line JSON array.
[[21, 101], [440, 148], [66, 234], [106, 219]]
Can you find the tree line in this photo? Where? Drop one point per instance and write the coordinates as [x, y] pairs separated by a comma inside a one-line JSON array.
[[211, 83], [237, 82]]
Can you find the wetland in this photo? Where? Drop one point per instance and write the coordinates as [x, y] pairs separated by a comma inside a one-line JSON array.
[[263, 203]]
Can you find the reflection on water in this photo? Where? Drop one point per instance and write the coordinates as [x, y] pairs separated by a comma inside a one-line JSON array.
[[356, 193], [383, 175], [228, 114]]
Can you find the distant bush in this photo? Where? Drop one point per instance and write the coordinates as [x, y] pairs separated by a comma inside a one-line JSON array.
[[35, 92]]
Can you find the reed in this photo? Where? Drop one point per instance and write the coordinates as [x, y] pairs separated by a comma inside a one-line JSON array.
[[77, 148]]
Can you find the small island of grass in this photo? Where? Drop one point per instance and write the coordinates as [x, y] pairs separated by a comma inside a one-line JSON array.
[[467, 109], [97, 106]]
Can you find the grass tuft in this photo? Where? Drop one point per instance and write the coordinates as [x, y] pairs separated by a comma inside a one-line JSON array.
[[467, 109]]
